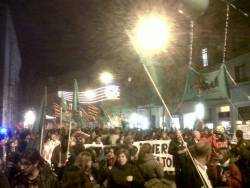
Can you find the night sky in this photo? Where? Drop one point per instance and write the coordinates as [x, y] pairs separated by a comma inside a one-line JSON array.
[[57, 37]]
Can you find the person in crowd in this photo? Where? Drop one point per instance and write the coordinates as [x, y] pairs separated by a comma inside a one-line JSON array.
[[151, 169], [96, 164], [114, 135], [218, 142], [194, 138], [34, 172], [124, 174], [23, 141], [111, 158], [92, 137], [120, 140], [4, 182], [98, 140], [107, 164], [128, 145], [76, 149], [242, 152], [226, 173], [149, 166], [59, 157], [195, 171], [178, 148], [80, 174], [164, 136]]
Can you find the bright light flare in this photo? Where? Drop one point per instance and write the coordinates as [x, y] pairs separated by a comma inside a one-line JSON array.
[[138, 121], [152, 34], [200, 111], [90, 94], [106, 77], [29, 118]]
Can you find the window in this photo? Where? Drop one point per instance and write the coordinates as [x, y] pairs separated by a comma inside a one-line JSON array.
[[240, 73], [204, 57], [244, 113]]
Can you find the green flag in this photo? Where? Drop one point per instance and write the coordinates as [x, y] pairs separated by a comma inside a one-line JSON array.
[[75, 97], [75, 106], [39, 122], [206, 85], [63, 106]]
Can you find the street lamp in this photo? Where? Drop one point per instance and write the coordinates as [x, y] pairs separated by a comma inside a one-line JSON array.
[[152, 34], [106, 77], [150, 37]]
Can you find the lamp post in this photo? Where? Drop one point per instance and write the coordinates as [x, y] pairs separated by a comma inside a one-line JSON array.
[[150, 37]]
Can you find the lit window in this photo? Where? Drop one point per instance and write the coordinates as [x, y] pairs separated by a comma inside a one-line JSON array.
[[204, 57], [225, 109]]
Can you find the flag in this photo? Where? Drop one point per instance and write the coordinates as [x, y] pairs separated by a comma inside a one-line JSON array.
[[64, 117], [39, 123], [206, 85], [63, 103], [75, 105], [92, 112], [56, 110]]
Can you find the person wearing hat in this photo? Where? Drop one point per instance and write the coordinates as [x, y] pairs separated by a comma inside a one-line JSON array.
[[218, 142]]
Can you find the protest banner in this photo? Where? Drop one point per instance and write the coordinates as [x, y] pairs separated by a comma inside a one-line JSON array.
[[48, 149], [160, 151], [159, 147]]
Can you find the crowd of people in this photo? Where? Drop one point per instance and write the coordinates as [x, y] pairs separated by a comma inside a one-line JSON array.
[[202, 158]]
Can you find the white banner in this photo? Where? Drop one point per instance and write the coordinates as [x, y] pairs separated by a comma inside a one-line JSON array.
[[160, 151], [48, 149]]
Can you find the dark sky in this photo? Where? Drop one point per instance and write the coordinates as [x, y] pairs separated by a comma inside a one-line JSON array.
[[57, 37]]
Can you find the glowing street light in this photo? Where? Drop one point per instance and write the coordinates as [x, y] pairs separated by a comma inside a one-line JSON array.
[[29, 118], [152, 35], [106, 77]]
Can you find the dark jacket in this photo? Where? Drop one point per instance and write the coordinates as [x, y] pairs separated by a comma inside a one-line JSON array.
[[118, 175], [4, 183], [192, 178], [73, 177], [45, 179], [150, 167]]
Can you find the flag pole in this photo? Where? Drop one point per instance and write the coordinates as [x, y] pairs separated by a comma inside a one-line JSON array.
[[69, 137], [171, 117], [61, 115], [44, 112], [41, 141]]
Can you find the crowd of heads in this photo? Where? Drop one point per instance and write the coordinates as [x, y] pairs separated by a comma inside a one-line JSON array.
[[20, 159]]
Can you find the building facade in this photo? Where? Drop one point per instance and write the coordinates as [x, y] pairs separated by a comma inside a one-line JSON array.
[[10, 65]]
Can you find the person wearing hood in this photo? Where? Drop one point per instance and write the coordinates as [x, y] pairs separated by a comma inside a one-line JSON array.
[[151, 169], [149, 166]]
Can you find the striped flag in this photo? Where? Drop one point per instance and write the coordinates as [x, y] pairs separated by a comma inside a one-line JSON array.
[[56, 110], [93, 112]]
